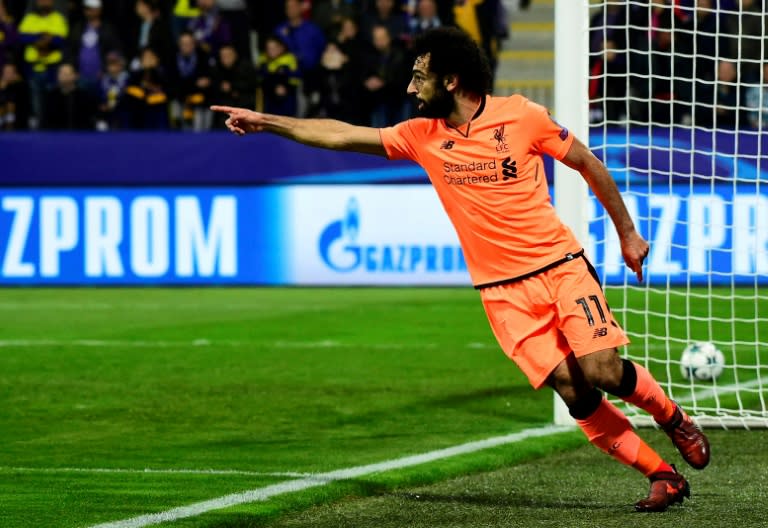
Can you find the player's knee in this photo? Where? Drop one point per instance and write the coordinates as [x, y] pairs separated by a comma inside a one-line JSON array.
[[602, 369], [568, 381], [586, 404]]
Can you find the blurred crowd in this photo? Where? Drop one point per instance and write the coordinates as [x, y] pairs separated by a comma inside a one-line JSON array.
[[158, 64], [693, 62]]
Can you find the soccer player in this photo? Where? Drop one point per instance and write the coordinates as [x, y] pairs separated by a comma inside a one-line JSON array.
[[542, 297]]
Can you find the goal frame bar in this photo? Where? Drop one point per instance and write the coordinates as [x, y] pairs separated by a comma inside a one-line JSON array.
[[572, 111], [571, 198]]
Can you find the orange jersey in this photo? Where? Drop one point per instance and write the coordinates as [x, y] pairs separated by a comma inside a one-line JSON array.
[[490, 178]]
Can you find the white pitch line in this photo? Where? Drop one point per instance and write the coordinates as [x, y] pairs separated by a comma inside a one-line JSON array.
[[108, 343], [203, 342], [321, 479], [720, 390], [289, 474]]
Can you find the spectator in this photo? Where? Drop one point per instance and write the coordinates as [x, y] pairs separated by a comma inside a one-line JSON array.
[[716, 102], [639, 37], [493, 24], [340, 84], [608, 85], [192, 84], [43, 30], [16, 8], [307, 42], [112, 113], [234, 81], [425, 17], [68, 106], [154, 33], [121, 14], [388, 14], [146, 95], [235, 13], [14, 99], [328, 14], [343, 65], [746, 32], [351, 42], [89, 43], [266, 16], [663, 85], [385, 84], [279, 76], [486, 22], [607, 25], [699, 36], [757, 102], [184, 12], [9, 37], [210, 29], [671, 72], [304, 38], [444, 10]]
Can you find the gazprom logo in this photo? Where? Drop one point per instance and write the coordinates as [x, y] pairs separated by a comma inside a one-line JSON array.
[[341, 250], [338, 246]]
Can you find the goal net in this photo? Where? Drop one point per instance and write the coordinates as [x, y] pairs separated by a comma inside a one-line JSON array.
[[678, 111]]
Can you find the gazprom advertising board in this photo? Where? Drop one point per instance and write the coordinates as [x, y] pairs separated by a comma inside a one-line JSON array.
[[341, 235], [236, 235], [696, 234]]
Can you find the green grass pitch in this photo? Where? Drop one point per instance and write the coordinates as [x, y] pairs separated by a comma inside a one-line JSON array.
[[117, 403]]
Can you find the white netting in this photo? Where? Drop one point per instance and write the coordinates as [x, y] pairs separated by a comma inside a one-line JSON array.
[[678, 112]]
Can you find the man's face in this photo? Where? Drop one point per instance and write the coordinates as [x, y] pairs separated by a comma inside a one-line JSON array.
[[384, 7], [427, 9], [293, 9], [149, 60], [433, 99], [67, 76], [274, 48], [227, 56], [142, 9], [381, 39], [92, 13], [186, 45], [44, 6]]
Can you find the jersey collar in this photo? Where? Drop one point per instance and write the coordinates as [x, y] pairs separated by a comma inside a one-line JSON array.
[[469, 123]]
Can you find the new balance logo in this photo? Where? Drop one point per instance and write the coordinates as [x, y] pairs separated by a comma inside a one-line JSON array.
[[447, 145], [600, 332]]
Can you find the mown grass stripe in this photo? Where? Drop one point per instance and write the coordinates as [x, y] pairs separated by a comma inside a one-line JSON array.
[[322, 479], [288, 474]]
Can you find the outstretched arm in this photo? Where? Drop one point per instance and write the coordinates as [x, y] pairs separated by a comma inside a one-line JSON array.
[[634, 247], [324, 133]]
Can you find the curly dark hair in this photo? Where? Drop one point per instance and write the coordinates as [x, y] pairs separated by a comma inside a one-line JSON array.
[[453, 52]]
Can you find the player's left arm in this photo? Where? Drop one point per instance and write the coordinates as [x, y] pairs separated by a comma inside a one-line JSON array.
[[634, 247]]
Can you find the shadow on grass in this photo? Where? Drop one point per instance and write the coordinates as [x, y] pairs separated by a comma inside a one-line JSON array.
[[512, 500]]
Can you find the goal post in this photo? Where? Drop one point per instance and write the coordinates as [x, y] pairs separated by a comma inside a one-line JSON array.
[[670, 99], [572, 110]]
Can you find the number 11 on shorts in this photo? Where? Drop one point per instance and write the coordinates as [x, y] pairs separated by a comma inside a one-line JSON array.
[[588, 311]]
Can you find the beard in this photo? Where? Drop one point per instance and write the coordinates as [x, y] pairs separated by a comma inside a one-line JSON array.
[[439, 106]]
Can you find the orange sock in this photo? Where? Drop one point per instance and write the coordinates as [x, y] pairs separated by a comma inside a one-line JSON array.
[[650, 397], [649, 462], [610, 431]]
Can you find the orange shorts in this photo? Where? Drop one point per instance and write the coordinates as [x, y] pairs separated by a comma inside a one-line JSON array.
[[539, 320]]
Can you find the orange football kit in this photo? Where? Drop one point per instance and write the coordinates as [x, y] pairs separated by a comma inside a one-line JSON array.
[[541, 295]]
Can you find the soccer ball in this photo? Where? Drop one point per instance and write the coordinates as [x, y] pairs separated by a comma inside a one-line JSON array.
[[702, 361]]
